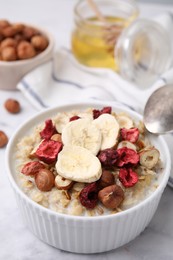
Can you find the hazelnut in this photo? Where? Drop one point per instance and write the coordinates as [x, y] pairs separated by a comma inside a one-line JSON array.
[[140, 144], [19, 27], [19, 37], [25, 50], [9, 31], [4, 23], [111, 196], [149, 157], [56, 137], [12, 106], [3, 139], [39, 42], [106, 179], [8, 54], [8, 42], [62, 183], [29, 32], [1, 35], [44, 180]]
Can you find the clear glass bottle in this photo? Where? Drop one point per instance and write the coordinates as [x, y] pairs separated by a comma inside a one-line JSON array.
[[93, 41]]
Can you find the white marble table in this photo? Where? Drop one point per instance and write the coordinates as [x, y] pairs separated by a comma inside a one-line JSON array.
[[16, 242]]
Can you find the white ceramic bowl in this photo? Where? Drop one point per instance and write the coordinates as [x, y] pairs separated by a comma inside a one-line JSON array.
[[81, 234], [11, 72]]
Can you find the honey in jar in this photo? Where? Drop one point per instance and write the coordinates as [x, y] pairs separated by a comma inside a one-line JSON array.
[[93, 41]]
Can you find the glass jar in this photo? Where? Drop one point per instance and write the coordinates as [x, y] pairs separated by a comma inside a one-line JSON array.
[[143, 52], [93, 41]]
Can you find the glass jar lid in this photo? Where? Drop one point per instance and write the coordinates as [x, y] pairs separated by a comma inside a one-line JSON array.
[[143, 52]]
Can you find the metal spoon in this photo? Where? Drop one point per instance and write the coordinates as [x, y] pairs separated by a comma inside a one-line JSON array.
[[158, 112]]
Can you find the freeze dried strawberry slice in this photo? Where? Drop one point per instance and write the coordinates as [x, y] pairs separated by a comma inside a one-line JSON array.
[[31, 168], [130, 135], [89, 196], [48, 130], [128, 177], [73, 118], [48, 151], [108, 157], [105, 110], [127, 156]]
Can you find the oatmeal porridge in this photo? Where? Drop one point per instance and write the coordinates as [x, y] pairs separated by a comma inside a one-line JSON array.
[[88, 163]]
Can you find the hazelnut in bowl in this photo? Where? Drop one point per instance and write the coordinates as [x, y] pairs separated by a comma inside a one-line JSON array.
[[87, 176], [22, 48]]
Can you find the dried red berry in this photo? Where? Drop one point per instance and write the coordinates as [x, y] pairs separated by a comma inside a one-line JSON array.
[[130, 135], [127, 156], [108, 157], [31, 168], [105, 110], [48, 151], [96, 113], [74, 118], [128, 177], [48, 130], [89, 195]]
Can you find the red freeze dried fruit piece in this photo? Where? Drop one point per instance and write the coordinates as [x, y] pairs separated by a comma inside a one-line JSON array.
[[108, 157], [105, 110], [48, 151], [74, 118], [127, 156], [48, 130], [130, 135], [89, 196], [128, 177], [31, 168]]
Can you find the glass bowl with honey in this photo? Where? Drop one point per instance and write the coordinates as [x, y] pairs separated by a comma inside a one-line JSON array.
[[94, 39]]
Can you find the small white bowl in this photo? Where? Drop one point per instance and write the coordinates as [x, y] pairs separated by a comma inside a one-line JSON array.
[[11, 72], [82, 234]]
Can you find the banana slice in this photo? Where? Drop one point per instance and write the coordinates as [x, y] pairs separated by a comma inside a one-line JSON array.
[[61, 121], [84, 133], [109, 128], [76, 163], [124, 121]]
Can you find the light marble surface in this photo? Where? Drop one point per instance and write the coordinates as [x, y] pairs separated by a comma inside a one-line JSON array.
[[16, 241]]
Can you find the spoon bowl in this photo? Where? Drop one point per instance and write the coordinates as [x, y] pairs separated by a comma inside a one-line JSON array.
[[158, 112]]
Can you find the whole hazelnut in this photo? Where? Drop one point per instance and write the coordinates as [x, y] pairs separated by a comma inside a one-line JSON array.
[[8, 54], [25, 50], [12, 106], [29, 32], [8, 42], [44, 180], [39, 42], [4, 23], [19, 27], [9, 31], [19, 37], [3, 139], [111, 196], [106, 179]]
